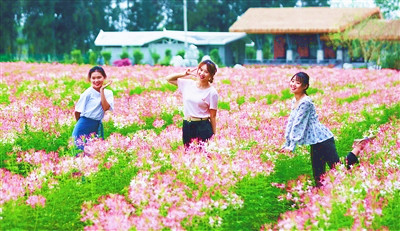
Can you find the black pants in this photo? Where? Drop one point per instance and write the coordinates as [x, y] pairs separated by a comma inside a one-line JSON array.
[[325, 153], [200, 130]]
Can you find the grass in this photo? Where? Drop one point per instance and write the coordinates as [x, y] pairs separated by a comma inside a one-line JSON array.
[[261, 205], [63, 204]]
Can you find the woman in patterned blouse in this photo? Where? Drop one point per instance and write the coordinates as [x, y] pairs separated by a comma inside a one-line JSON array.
[[303, 127]]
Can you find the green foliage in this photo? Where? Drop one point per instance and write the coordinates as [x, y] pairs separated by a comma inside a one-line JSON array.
[[261, 204], [137, 56], [378, 116], [107, 56], [352, 98], [224, 105], [391, 57], [388, 7], [4, 96], [250, 52], [201, 55], [286, 94], [77, 56], [240, 100], [164, 87], [267, 49], [155, 56], [72, 192], [92, 58], [312, 91], [226, 81], [137, 90], [390, 218], [214, 55], [167, 58], [260, 197], [271, 98], [181, 53], [124, 55]]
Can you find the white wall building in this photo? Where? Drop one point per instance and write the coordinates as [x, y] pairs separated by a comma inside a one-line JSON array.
[[231, 45]]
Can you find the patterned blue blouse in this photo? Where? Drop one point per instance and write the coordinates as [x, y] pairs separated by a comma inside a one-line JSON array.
[[303, 126]]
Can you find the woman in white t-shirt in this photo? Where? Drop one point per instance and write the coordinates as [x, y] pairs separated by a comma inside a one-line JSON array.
[[200, 101], [91, 106]]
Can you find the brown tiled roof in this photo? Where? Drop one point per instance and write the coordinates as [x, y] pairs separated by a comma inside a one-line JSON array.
[[301, 20], [376, 29]]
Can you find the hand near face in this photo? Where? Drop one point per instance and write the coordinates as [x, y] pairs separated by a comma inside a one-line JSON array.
[[190, 71], [106, 85]]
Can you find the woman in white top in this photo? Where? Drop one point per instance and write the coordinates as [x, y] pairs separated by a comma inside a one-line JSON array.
[[91, 106], [200, 101], [303, 127]]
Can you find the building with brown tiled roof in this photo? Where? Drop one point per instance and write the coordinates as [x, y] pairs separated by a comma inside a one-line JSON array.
[[297, 32]]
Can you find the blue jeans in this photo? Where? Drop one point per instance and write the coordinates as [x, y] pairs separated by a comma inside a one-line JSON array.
[[200, 130], [84, 127]]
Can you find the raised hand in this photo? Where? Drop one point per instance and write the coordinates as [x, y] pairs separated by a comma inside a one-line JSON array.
[[106, 85], [190, 71]]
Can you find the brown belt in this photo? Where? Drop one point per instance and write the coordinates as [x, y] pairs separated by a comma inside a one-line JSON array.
[[190, 119]]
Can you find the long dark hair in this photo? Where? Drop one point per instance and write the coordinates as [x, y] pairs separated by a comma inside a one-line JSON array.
[[303, 78], [211, 68], [97, 69]]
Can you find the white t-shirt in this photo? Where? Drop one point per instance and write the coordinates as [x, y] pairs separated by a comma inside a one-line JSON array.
[[89, 103], [197, 102]]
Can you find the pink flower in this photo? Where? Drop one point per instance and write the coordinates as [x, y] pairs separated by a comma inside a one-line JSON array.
[[158, 123], [36, 200]]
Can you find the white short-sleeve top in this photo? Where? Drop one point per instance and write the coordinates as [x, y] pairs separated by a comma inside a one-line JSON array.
[[197, 102], [89, 103]]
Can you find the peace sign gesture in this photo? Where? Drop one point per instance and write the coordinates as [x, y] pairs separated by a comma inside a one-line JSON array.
[[191, 71]]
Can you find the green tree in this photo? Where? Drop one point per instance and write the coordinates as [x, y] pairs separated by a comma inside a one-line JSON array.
[[10, 13], [388, 7], [56, 26], [144, 15], [207, 15]]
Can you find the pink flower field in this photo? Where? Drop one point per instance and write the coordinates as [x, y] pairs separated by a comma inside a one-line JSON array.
[[141, 178]]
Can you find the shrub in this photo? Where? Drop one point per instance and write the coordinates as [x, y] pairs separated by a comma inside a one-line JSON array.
[[167, 58], [201, 55], [392, 58], [107, 56], [250, 53], [77, 56], [181, 53], [124, 55], [155, 56], [138, 56], [92, 58], [214, 55]]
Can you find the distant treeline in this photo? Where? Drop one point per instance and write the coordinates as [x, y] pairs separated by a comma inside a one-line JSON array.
[[46, 30]]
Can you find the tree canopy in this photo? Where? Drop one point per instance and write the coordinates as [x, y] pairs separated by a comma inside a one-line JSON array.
[[55, 27]]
